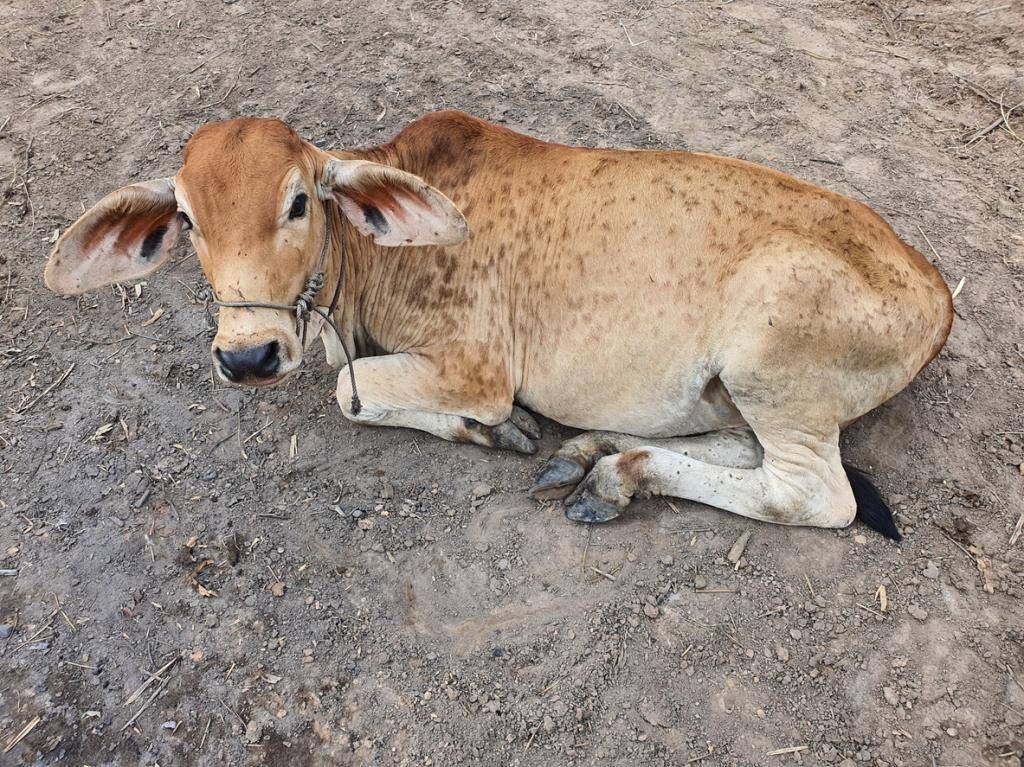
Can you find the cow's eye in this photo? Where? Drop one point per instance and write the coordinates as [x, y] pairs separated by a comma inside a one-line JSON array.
[[298, 209], [186, 222]]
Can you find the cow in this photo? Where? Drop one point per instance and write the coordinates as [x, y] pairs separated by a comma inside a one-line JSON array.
[[710, 324]]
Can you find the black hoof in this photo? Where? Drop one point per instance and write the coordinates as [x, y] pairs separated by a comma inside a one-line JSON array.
[[525, 422], [590, 508], [508, 437], [556, 480]]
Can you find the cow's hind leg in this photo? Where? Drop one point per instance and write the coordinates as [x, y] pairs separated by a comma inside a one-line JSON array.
[[801, 481], [735, 447]]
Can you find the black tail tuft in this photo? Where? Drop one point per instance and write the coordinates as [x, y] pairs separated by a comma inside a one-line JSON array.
[[871, 509]]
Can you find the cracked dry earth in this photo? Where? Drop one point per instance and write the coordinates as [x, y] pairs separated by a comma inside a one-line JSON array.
[[319, 593]]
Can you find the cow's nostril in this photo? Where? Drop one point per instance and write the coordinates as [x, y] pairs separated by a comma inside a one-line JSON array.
[[254, 362], [224, 361]]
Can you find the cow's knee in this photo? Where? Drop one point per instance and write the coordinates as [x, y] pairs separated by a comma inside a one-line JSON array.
[[352, 406], [808, 495]]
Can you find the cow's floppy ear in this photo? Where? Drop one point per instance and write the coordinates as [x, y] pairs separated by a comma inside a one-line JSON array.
[[392, 206], [126, 235]]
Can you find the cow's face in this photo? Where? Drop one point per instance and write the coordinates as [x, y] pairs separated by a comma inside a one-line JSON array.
[[255, 200]]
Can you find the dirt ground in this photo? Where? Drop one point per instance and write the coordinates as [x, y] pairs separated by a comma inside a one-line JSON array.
[[330, 594]]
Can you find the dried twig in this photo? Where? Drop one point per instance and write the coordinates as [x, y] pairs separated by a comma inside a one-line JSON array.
[[934, 251], [146, 705], [206, 732], [1013, 676], [152, 678], [31, 403], [22, 733], [869, 609], [229, 91], [956, 543], [198, 66], [986, 11], [890, 30], [810, 588], [959, 287], [64, 615], [1006, 122], [603, 574], [1003, 119], [629, 38], [235, 713], [787, 750], [44, 627], [1017, 529]]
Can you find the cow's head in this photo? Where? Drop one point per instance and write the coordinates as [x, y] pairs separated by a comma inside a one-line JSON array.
[[254, 198]]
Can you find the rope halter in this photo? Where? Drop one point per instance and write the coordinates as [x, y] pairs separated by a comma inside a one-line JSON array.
[[305, 305]]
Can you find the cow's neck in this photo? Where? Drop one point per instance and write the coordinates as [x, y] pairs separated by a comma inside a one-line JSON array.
[[382, 308]]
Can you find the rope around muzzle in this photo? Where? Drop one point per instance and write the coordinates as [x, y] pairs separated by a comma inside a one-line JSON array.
[[305, 305]]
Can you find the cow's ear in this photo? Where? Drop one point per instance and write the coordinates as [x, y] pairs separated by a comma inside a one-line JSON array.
[[394, 207], [126, 235]]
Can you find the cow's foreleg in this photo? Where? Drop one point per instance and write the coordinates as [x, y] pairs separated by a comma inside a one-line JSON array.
[[435, 395], [562, 472]]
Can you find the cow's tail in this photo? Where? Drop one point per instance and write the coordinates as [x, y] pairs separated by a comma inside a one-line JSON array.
[[871, 509]]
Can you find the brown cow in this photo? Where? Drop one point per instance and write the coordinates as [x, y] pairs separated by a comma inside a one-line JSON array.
[[716, 321]]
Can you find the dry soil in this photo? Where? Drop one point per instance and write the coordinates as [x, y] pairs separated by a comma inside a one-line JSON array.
[[345, 595]]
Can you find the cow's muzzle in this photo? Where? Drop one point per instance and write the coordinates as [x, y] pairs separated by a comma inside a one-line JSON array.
[[254, 365]]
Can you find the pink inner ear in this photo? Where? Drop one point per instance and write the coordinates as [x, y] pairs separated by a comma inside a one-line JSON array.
[[132, 226], [387, 201], [114, 248], [396, 208], [126, 235]]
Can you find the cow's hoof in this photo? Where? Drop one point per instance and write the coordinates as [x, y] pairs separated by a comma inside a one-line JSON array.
[[557, 479], [590, 508], [525, 422], [507, 436]]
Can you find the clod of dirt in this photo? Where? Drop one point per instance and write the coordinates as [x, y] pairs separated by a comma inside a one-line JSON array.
[[233, 545], [918, 612], [480, 490], [736, 552]]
